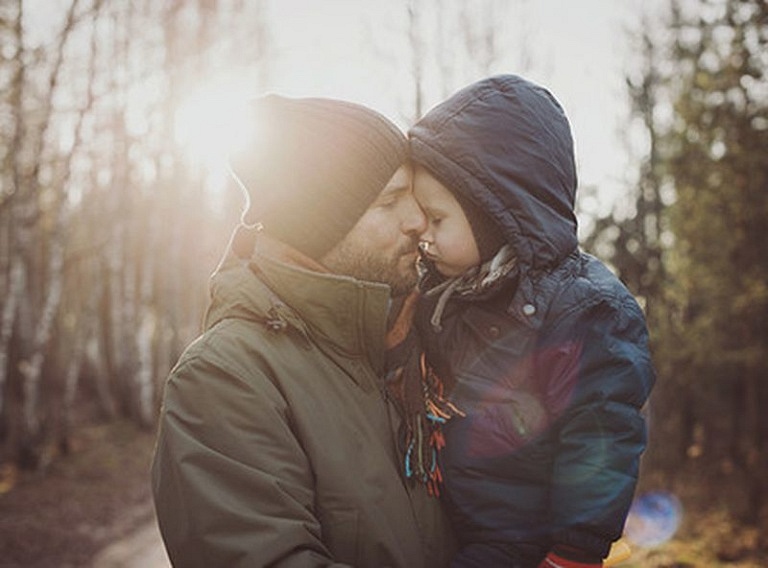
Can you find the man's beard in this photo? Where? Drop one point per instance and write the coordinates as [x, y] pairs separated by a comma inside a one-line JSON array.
[[349, 260]]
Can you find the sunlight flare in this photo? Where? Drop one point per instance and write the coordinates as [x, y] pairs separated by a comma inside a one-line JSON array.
[[209, 125]]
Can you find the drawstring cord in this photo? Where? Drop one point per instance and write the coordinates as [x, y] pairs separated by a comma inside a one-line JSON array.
[[442, 301]]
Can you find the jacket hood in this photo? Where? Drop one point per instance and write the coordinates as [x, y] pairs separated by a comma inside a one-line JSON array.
[[505, 144]]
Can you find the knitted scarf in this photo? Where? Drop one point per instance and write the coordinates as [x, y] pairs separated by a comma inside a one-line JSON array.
[[418, 393]]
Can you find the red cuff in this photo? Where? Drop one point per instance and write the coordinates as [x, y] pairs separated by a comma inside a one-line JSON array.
[[554, 561]]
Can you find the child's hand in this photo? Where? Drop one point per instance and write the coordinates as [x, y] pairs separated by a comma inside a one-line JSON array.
[[561, 557], [569, 557], [554, 561]]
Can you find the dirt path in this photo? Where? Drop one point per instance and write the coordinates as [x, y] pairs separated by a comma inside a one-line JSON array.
[[93, 502], [141, 549]]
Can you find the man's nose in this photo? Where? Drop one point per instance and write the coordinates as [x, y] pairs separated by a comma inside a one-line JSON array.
[[414, 220]]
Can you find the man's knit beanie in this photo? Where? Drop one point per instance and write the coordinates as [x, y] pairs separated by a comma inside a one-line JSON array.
[[312, 166]]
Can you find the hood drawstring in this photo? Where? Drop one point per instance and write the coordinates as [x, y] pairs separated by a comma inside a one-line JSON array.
[[446, 290]]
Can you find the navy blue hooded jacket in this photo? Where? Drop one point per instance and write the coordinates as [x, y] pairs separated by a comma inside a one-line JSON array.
[[552, 368]]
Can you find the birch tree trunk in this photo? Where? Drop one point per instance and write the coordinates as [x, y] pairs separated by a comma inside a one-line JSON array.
[[55, 278], [16, 275]]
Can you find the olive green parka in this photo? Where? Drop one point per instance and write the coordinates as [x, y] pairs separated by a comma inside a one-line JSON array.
[[276, 446]]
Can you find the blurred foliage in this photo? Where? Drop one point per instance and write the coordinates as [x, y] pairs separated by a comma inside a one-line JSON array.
[[107, 231], [696, 249]]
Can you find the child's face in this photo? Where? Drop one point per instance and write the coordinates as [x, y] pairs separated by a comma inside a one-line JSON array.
[[448, 240]]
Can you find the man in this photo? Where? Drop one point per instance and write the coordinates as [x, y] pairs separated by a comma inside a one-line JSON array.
[[276, 446]]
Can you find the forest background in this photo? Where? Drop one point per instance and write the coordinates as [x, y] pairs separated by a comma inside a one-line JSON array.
[[115, 208]]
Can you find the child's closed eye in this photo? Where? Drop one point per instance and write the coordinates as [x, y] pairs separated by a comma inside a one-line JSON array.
[[387, 202]]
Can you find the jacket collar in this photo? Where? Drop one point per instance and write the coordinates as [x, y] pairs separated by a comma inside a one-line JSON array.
[[346, 317]]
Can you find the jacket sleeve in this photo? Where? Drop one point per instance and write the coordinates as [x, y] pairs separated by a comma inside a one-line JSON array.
[[598, 375], [231, 484]]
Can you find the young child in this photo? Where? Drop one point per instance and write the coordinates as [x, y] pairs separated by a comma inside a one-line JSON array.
[[541, 350]]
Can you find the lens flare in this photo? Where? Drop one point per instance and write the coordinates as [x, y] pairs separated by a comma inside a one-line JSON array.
[[209, 124], [653, 519]]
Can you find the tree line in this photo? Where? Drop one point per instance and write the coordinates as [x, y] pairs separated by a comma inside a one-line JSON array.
[[105, 232], [692, 245]]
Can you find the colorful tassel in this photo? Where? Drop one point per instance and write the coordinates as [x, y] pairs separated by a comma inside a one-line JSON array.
[[424, 437]]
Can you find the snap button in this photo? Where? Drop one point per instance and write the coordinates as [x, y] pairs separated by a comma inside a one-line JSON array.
[[529, 309], [494, 331]]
